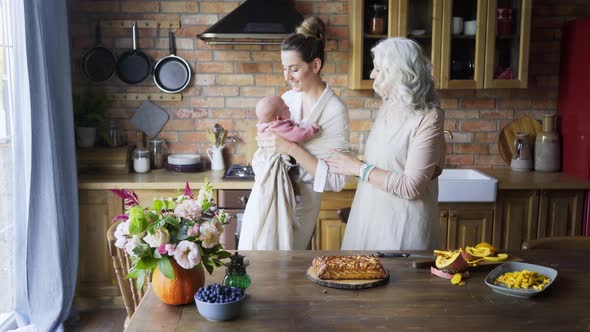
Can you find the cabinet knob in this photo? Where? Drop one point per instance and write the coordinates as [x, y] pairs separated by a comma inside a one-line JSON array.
[[443, 214], [453, 214]]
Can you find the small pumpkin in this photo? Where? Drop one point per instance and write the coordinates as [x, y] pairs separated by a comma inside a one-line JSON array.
[[182, 289], [454, 264]]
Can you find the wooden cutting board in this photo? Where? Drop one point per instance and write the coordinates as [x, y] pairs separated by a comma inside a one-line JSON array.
[[526, 124], [346, 284], [427, 263]]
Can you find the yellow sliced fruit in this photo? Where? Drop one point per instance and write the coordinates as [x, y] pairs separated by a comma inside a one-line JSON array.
[[445, 253], [486, 245], [454, 264], [499, 258], [456, 279], [478, 252]]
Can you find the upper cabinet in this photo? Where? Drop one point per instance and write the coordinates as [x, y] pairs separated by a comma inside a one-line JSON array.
[[472, 44]]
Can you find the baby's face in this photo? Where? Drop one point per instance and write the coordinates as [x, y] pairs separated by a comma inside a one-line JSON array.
[[283, 110]]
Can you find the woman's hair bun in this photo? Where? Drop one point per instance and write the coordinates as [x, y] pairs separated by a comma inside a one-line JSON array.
[[312, 27]]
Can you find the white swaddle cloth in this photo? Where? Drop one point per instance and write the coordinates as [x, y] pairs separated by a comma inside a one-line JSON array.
[[269, 214]]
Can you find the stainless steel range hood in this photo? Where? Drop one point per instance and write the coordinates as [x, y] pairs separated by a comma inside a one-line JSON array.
[[255, 22]]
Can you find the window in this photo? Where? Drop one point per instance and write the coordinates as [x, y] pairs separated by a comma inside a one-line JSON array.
[[6, 162]]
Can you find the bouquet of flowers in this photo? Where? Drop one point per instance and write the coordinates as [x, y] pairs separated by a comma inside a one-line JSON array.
[[185, 229]]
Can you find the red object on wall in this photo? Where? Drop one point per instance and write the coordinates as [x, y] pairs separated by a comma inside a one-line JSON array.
[[573, 105], [573, 102]]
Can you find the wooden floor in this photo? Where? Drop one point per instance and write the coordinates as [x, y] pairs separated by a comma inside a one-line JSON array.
[[104, 320]]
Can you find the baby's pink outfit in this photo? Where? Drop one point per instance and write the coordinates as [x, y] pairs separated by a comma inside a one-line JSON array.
[[289, 130]]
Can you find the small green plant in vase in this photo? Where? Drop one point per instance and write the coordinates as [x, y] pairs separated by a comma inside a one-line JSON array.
[[90, 110]]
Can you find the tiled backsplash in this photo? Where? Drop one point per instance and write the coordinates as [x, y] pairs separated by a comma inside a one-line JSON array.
[[229, 80]]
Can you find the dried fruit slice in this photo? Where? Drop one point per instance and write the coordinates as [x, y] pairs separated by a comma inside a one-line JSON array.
[[454, 264], [478, 252], [456, 278], [493, 249], [499, 258]]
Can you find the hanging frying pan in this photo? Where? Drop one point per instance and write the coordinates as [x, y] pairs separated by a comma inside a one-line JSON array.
[[172, 73], [98, 63], [133, 66]]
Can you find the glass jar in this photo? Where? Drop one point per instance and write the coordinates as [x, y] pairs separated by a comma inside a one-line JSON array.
[[235, 275], [157, 149], [141, 160], [377, 19]]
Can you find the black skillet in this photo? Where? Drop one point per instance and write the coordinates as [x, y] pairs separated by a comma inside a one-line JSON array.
[[172, 73], [133, 66], [98, 63]]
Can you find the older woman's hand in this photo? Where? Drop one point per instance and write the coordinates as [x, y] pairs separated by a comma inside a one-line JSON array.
[[340, 163], [274, 143]]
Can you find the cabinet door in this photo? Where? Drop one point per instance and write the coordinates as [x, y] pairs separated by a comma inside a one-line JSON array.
[[516, 218], [97, 282], [470, 224], [420, 20], [463, 44], [363, 37], [507, 43], [329, 231], [560, 213]]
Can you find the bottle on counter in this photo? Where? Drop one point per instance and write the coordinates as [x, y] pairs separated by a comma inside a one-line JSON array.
[[547, 147]]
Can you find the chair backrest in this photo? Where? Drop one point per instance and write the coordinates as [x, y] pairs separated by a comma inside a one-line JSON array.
[[559, 242], [121, 263]]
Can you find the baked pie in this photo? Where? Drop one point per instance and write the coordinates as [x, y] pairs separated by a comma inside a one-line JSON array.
[[348, 267]]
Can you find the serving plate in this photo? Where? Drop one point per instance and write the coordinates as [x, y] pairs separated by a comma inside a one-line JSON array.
[[519, 266], [345, 284]]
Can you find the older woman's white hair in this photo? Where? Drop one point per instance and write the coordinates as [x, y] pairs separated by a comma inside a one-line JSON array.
[[406, 74]]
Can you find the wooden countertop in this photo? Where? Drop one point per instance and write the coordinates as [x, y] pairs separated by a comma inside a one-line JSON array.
[[164, 179], [281, 298], [509, 179]]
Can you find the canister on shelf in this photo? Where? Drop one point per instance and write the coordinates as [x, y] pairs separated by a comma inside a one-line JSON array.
[[141, 160], [157, 148], [378, 19]]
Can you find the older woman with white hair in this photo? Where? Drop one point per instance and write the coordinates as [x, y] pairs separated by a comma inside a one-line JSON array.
[[396, 202]]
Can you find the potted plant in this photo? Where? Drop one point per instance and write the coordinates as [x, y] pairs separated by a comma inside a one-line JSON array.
[[174, 240], [89, 114]]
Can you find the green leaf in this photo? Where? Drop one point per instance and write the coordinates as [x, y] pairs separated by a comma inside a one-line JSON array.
[[223, 254], [141, 280], [158, 205], [166, 268], [208, 267], [133, 273], [147, 263]]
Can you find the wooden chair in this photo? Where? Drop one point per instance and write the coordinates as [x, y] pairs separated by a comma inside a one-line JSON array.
[[559, 242], [343, 214], [121, 263]]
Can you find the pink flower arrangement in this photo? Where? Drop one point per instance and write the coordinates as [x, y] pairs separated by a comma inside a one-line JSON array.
[[184, 229]]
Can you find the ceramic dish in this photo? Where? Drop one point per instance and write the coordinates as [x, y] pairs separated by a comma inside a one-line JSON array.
[[186, 168], [184, 159], [518, 266]]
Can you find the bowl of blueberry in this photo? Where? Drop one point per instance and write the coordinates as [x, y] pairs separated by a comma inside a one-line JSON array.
[[216, 302]]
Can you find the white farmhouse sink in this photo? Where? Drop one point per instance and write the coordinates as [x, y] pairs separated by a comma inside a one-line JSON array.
[[466, 185]]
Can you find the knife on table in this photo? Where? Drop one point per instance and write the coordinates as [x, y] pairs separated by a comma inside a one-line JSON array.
[[423, 261], [401, 254]]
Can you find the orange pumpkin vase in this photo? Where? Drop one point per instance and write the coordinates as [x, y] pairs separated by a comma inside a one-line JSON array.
[[180, 290]]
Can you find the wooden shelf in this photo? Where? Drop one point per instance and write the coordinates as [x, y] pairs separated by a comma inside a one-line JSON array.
[[148, 96], [141, 24]]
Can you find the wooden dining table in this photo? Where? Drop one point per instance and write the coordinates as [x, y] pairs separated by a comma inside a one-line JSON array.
[[282, 298]]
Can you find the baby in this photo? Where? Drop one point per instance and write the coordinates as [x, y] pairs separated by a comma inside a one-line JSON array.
[[273, 114]]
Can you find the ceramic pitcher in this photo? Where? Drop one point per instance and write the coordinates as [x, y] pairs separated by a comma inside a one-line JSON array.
[[522, 158], [216, 156]]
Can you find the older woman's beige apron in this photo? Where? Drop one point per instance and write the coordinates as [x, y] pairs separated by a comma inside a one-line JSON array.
[[380, 220]]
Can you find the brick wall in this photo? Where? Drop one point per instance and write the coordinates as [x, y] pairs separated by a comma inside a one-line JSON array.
[[229, 80]]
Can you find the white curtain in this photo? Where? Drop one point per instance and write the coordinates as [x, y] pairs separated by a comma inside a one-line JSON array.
[[46, 224]]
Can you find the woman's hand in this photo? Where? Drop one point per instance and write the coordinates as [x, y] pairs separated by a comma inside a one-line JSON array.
[[340, 163], [274, 143]]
